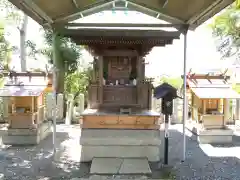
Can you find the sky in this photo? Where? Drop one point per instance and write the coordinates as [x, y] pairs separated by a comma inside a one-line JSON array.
[[201, 51]]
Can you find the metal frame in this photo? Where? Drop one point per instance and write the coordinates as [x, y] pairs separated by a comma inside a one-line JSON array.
[[185, 106], [38, 10], [30, 8], [129, 4]]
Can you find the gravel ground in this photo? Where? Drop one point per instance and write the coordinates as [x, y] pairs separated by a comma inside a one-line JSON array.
[[202, 162]]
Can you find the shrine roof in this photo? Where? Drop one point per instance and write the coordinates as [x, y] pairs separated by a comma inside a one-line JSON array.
[[216, 93], [21, 91], [91, 36], [192, 12]]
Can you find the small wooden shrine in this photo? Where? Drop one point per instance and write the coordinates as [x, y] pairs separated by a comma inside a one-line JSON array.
[[119, 95], [209, 95], [26, 104], [210, 107]]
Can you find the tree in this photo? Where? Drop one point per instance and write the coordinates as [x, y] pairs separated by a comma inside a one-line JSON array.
[[78, 82], [5, 49], [68, 56], [226, 30], [174, 81], [20, 20]]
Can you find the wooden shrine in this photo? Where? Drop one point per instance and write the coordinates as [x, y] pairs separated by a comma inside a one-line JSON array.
[[26, 104], [119, 122], [210, 108], [119, 94]]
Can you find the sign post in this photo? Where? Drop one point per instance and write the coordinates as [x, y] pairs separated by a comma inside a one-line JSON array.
[[167, 109]]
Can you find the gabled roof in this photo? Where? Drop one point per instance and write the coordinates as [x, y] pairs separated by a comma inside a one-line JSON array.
[[91, 36], [192, 12]]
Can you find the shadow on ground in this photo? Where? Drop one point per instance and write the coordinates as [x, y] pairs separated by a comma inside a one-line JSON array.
[[202, 161], [38, 162]]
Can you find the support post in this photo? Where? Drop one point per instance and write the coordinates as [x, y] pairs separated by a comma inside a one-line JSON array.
[[100, 85], [184, 31], [166, 135], [238, 109], [139, 79], [55, 84]]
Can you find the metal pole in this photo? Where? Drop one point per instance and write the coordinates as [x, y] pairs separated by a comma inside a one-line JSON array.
[[54, 112], [54, 91], [184, 92], [166, 135]]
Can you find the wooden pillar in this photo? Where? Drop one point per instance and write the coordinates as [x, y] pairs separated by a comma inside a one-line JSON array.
[[149, 97], [237, 109], [220, 106], [204, 106], [100, 82], [226, 110], [139, 80], [32, 104]]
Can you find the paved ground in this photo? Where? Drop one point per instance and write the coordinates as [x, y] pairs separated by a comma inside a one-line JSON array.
[[202, 162]]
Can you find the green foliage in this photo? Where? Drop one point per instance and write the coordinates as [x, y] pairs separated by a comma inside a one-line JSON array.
[[236, 87], [69, 52], [226, 30], [77, 82], [175, 82], [5, 49]]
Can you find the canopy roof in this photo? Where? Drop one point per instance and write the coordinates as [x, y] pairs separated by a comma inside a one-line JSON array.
[[192, 12], [216, 93]]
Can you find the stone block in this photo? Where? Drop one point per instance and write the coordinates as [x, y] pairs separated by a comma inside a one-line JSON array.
[[135, 166], [106, 165], [91, 137], [26, 136], [152, 153], [214, 136]]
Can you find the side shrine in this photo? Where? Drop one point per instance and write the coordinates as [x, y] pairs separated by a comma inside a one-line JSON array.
[[210, 107], [119, 121], [26, 122]]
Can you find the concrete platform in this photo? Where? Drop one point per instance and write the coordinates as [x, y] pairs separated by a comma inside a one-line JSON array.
[[120, 144], [25, 136], [120, 166], [211, 136]]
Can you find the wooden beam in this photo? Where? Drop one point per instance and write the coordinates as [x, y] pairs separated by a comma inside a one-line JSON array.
[[131, 33], [201, 76], [128, 53], [32, 74], [129, 25]]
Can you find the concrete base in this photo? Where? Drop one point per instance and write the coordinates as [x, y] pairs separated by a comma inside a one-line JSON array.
[[120, 166], [120, 144], [25, 136], [106, 143], [213, 136]]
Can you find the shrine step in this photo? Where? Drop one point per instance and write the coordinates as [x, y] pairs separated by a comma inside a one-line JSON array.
[[116, 166]]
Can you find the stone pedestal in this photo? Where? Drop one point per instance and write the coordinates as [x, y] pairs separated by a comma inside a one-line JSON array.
[[213, 136], [120, 144], [227, 115], [106, 143], [25, 136]]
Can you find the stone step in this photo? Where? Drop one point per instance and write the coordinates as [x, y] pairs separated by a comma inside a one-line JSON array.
[[114, 166]]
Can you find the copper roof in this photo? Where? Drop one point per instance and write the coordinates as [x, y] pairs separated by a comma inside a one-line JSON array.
[[192, 12]]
